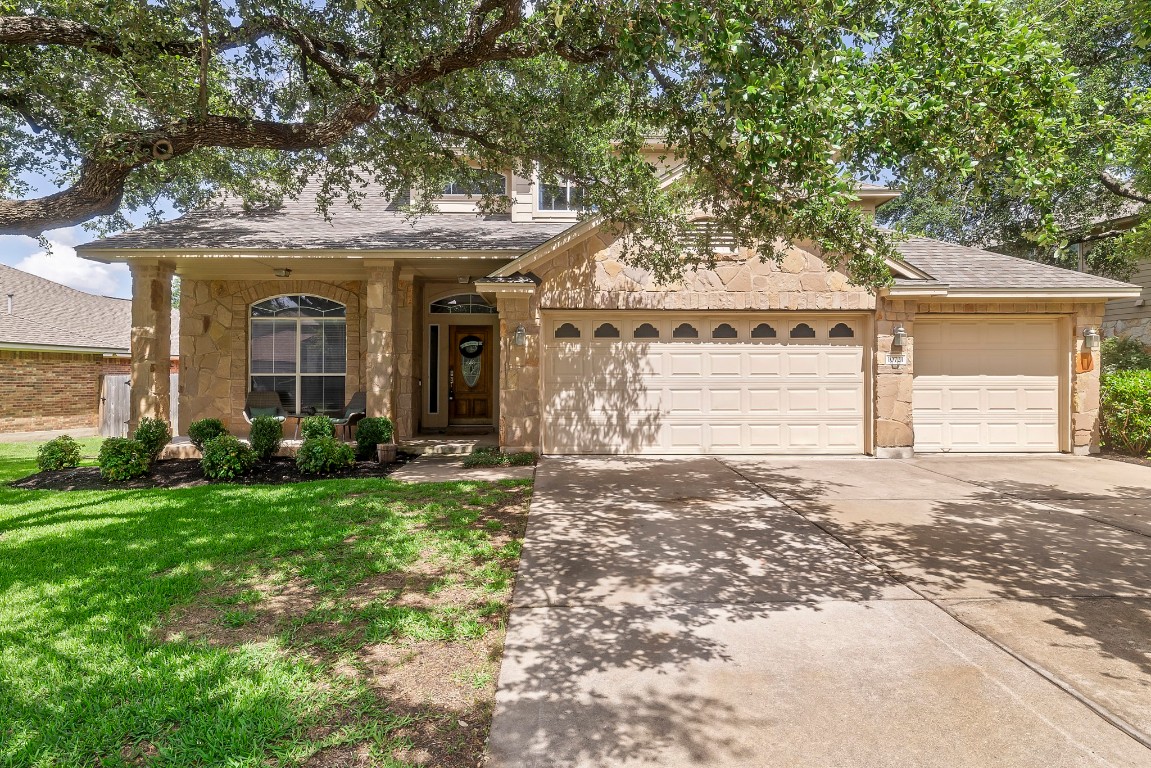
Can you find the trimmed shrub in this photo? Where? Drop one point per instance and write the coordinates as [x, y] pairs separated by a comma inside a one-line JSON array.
[[1125, 411], [58, 453], [265, 437], [226, 457], [317, 425], [324, 456], [1123, 353], [371, 432], [490, 456], [204, 430], [123, 459], [153, 434]]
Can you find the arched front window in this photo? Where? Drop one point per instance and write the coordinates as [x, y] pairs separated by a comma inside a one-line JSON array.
[[463, 304], [299, 348]]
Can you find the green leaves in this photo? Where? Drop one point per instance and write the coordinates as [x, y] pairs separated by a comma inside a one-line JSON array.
[[773, 107]]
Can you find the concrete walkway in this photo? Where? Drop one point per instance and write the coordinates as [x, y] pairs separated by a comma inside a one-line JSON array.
[[831, 612]]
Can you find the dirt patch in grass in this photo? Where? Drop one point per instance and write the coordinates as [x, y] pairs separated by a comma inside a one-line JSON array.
[[423, 642], [252, 611], [186, 473]]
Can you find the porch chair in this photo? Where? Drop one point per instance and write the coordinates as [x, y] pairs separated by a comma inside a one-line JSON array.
[[356, 409], [265, 403]]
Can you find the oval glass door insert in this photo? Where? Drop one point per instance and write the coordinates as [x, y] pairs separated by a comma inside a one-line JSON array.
[[471, 347]]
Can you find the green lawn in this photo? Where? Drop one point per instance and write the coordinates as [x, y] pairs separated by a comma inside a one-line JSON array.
[[260, 625]]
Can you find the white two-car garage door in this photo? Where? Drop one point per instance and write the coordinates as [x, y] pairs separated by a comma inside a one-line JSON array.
[[987, 384], [691, 383]]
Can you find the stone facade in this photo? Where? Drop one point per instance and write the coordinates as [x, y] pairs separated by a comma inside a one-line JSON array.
[[53, 390], [151, 342], [214, 332], [519, 384], [592, 275], [894, 427]]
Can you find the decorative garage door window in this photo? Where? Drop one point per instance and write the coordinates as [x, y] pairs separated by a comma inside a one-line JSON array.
[[471, 349], [463, 304], [298, 348]]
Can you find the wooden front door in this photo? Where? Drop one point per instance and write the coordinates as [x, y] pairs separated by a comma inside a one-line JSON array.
[[470, 363]]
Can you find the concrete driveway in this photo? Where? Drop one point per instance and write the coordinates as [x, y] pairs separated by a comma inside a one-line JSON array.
[[951, 611]]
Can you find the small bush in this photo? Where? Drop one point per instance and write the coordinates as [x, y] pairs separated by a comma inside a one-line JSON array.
[[1125, 411], [58, 453], [324, 456], [123, 459], [487, 456], [371, 432], [226, 457], [318, 425], [265, 437], [1123, 353], [204, 430], [153, 434]]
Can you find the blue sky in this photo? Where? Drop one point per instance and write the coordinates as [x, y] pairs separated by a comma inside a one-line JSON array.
[[59, 261]]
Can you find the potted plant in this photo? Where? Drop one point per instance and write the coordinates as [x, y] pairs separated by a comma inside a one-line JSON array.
[[374, 436]]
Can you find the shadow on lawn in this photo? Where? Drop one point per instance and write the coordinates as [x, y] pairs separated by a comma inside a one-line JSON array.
[[83, 585]]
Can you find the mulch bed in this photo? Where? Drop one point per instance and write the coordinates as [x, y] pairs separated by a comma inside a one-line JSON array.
[[185, 473], [1125, 458]]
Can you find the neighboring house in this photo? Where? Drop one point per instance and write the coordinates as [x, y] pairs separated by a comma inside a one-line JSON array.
[[531, 324], [1130, 316], [56, 346]]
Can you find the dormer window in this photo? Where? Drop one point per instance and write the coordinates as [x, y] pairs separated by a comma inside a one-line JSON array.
[[561, 196], [486, 184]]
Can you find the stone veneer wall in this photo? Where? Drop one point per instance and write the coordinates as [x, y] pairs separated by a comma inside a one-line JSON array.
[[52, 390], [591, 275], [894, 427], [214, 342]]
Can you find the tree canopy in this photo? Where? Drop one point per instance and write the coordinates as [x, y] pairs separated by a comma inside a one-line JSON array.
[[774, 107], [1105, 173]]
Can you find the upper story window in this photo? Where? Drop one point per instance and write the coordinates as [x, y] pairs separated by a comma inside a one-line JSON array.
[[463, 304], [487, 184], [561, 196]]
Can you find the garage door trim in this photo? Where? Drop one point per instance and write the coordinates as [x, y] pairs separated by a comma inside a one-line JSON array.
[[862, 381]]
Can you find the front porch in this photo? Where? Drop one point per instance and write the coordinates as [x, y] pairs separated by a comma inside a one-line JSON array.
[[415, 336]]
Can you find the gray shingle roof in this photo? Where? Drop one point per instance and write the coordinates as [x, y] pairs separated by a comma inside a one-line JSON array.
[[959, 267], [45, 313], [377, 225]]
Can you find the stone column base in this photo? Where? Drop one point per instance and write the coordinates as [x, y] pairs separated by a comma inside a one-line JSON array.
[[901, 452]]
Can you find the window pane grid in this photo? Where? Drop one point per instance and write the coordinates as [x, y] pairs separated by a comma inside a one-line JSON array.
[[299, 349]]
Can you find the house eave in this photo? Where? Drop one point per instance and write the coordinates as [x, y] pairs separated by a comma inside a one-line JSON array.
[[106, 351], [1033, 294], [125, 255]]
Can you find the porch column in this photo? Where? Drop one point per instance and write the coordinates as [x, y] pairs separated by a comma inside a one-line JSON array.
[[894, 426], [404, 389], [519, 374], [380, 350], [151, 342], [1085, 383]]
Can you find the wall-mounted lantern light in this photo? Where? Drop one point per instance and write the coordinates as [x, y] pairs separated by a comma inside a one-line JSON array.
[[521, 336], [898, 336], [1091, 338]]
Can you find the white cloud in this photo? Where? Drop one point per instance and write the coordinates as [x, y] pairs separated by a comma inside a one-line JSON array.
[[61, 264]]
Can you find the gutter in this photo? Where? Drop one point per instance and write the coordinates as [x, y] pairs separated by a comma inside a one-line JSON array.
[[105, 351], [945, 291]]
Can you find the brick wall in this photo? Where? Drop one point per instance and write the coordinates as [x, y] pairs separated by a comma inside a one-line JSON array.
[[52, 390]]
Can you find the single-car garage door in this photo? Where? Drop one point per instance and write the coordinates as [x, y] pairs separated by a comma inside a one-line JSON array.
[[986, 384], [716, 383]]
